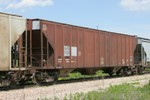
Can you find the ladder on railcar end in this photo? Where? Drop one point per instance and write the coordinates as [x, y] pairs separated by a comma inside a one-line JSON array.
[[15, 55], [23, 50], [144, 48], [19, 52]]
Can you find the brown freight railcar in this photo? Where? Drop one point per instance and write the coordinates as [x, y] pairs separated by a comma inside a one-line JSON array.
[[64, 48], [41, 50]]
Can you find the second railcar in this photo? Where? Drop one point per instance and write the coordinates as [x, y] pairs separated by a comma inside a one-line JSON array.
[[64, 48]]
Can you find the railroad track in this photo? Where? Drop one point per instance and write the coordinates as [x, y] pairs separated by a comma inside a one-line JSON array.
[[63, 88], [76, 80]]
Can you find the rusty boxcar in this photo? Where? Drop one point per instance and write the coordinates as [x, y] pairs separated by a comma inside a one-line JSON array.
[[65, 48], [41, 51]]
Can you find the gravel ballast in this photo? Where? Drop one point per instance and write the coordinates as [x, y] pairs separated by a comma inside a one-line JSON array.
[[61, 90]]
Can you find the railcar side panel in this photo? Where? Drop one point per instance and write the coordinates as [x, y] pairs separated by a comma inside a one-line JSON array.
[[11, 28], [131, 51], [97, 49], [77, 47], [119, 50], [80, 48], [59, 46], [89, 42], [108, 48], [114, 50], [123, 52], [127, 50], [4, 42], [67, 46], [74, 47], [102, 49]]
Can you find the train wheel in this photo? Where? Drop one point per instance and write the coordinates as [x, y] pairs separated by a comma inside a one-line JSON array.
[[123, 72], [55, 76], [48, 78], [11, 79], [22, 82], [118, 73], [40, 77], [140, 70], [37, 78]]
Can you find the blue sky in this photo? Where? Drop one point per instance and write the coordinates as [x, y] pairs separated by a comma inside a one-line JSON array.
[[122, 16]]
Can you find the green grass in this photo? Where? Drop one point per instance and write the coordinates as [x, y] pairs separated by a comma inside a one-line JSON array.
[[118, 92], [147, 69], [76, 75]]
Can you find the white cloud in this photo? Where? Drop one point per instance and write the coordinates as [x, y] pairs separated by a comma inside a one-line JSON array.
[[6, 2], [29, 3], [23, 4], [136, 5]]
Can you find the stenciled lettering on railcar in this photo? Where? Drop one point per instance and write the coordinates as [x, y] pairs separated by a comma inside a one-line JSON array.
[[66, 51], [131, 60], [123, 62], [74, 51], [102, 60], [44, 27], [79, 53]]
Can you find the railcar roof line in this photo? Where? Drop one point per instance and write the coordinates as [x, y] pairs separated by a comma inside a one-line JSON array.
[[10, 14], [146, 39], [38, 19]]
